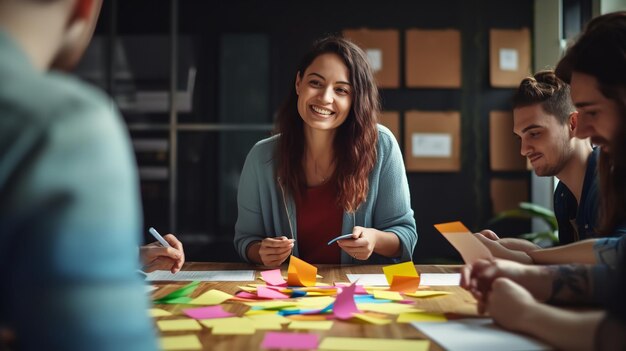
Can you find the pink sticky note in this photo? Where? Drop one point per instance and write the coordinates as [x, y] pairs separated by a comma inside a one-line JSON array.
[[360, 290], [268, 293], [273, 277], [207, 312], [247, 296], [295, 341], [344, 303]]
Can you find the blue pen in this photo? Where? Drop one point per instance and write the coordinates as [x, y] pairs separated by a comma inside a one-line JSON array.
[[158, 236]]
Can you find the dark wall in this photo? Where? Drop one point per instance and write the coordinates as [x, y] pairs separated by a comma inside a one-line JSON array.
[[291, 26]]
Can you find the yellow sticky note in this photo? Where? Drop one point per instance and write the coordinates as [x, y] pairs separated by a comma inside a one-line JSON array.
[[403, 283], [157, 312], [388, 295], [315, 302], [274, 318], [311, 325], [231, 326], [183, 342], [272, 305], [300, 273], [387, 308], [406, 269], [258, 312], [428, 293], [408, 317], [211, 297], [370, 319], [178, 325], [371, 344]]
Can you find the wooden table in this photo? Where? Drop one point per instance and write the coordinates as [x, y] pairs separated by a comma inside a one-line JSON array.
[[461, 302]]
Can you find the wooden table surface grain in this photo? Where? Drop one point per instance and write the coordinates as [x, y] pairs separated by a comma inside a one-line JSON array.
[[458, 304]]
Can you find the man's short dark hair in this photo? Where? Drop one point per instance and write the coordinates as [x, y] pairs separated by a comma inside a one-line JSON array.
[[547, 89]]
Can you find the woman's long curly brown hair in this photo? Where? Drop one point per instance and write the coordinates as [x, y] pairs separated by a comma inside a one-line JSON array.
[[356, 139]]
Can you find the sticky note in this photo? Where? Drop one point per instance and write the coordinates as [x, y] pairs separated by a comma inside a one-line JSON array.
[[178, 295], [211, 297], [371, 344], [311, 325], [408, 317], [300, 273], [178, 325], [370, 319], [388, 308], [183, 342], [230, 326], [428, 293], [403, 283], [388, 295], [207, 312], [271, 305], [157, 312], [266, 293], [470, 248], [295, 341], [344, 306], [273, 277], [406, 269]]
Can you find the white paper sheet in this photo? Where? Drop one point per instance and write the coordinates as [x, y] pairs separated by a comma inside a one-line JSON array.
[[477, 334], [440, 279], [206, 276], [430, 279], [431, 145]]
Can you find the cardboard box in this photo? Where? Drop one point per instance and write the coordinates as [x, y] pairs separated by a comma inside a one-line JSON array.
[[504, 146], [432, 141], [382, 49], [506, 194], [433, 58], [391, 120], [509, 57]]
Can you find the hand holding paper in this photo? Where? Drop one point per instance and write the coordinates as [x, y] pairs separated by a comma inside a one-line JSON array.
[[470, 247], [274, 251]]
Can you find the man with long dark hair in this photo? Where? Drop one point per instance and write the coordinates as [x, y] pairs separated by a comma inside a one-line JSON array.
[[512, 293]]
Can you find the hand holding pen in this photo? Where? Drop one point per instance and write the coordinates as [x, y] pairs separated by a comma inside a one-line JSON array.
[[164, 254]]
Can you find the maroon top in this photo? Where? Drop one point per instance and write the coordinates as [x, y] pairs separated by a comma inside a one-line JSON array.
[[319, 220]]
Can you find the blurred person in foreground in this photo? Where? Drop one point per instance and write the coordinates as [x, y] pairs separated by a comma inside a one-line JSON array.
[[70, 214]]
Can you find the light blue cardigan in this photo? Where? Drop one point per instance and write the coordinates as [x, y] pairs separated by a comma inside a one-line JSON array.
[[266, 210]]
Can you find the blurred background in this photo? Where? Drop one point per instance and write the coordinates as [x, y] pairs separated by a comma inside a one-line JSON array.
[[199, 82]]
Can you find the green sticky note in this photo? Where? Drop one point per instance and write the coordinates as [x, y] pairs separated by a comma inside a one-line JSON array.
[[182, 292]]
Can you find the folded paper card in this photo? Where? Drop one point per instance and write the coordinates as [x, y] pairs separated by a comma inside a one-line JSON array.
[[470, 248]]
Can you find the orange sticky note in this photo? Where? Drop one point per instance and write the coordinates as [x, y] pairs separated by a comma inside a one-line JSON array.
[[406, 269], [452, 227], [403, 283], [470, 248], [300, 273]]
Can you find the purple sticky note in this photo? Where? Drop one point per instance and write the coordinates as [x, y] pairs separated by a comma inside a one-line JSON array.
[[295, 341], [207, 312], [267, 293], [344, 303], [273, 277]]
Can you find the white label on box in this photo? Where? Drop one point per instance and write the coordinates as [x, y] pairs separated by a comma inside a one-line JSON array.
[[431, 145], [375, 58], [508, 60]]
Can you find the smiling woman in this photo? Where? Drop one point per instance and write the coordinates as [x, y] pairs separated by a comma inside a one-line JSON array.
[[329, 170]]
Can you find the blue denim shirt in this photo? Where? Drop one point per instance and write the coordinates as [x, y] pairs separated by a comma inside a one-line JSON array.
[[578, 221]]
